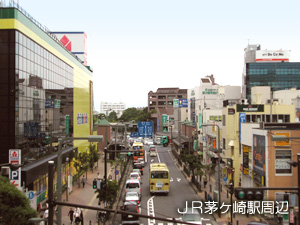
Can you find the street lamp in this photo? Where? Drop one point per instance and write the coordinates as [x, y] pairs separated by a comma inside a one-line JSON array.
[[219, 167]]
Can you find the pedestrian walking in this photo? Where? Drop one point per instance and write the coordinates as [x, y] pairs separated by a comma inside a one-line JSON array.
[[98, 176], [46, 214], [81, 216], [77, 216], [209, 198], [71, 215], [83, 180], [204, 181]]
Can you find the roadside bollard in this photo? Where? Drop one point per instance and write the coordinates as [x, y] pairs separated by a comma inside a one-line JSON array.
[[237, 222], [205, 195]]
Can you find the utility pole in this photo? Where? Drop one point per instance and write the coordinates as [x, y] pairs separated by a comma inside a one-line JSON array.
[[179, 130], [59, 190], [105, 175], [50, 191]]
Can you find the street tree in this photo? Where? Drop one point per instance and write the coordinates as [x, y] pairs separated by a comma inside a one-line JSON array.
[[112, 191], [112, 117], [14, 206]]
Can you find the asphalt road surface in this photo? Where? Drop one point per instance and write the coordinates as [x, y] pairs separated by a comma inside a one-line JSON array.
[[165, 206]]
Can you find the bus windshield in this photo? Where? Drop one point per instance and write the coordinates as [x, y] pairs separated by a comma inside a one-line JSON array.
[[159, 174]]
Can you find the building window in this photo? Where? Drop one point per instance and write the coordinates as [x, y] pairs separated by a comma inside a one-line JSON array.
[[281, 159]]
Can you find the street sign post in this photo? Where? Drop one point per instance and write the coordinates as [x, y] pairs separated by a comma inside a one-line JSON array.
[[145, 129], [15, 176]]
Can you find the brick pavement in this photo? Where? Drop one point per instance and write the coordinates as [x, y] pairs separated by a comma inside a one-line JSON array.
[[85, 196]]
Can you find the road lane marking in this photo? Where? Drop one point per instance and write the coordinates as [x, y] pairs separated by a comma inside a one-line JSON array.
[[150, 209], [171, 180], [145, 156], [178, 179], [158, 157]]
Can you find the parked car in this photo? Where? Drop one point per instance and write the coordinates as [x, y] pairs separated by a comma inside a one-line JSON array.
[[130, 207], [135, 175], [133, 185], [138, 166], [132, 197]]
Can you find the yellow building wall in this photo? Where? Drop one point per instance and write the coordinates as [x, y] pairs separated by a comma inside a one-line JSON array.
[[232, 132], [82, 78]]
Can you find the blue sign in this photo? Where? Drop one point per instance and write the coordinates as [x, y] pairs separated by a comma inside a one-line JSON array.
[[242, 119], [183, 103], [30, 195], [225, 179], [145, 129], [134, 134], [117, 172]]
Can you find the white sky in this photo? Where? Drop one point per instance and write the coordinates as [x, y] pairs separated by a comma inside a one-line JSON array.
[[135, 46]]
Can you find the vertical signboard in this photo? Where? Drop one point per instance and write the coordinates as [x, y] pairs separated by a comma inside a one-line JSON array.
[[200, 121], [246, 160], [175, 103], [242, 119], [259, 155], [67, 123], [15, 175], [164, 123]]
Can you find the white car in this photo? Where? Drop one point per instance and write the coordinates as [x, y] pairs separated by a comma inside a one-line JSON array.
[[132, 197], [152, 152], [135, 175]]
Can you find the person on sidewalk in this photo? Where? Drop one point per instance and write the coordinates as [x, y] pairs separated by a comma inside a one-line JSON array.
[[71, 215], [98, 176], [81, 216], [77, 215], [209, 198], [204, 180], [83, 180]]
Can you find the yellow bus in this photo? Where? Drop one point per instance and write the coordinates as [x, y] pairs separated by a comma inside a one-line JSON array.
[[159, 178], [138, 151]]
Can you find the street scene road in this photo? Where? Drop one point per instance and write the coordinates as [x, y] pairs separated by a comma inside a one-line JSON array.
[[161, 205]]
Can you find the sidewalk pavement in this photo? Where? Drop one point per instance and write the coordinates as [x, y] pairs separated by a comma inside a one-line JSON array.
[[86, 195], [239, 219]]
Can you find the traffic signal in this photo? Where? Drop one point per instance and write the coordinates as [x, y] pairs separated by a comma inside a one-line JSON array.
[[94, 184], [248, 194], [129, 153]]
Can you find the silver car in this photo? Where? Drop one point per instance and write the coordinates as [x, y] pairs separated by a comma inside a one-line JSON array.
[[132, 197], [133, 185]]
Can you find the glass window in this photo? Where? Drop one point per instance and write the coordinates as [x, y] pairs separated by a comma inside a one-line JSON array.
[[281, 159]]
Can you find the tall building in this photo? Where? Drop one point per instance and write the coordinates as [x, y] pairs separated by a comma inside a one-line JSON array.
[[162, 102], [46, 93], [108, 107], [269, 68]]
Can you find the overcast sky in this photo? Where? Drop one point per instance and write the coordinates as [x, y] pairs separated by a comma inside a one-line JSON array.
[[135, 46]]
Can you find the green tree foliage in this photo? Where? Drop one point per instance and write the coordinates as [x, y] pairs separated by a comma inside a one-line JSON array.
[[134, 114], [14, 206], [112, 117], [93, 156], [112, 190]]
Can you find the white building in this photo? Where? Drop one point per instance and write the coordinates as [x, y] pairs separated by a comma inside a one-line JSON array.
[[108, 107]]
